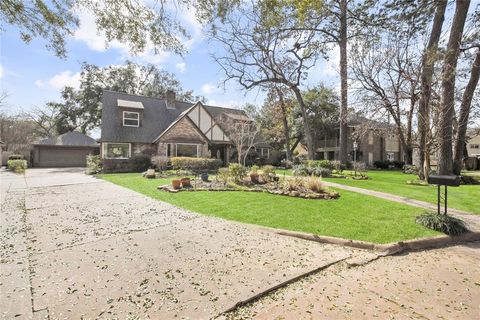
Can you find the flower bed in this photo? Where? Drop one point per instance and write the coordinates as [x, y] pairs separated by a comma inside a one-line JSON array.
[[295, 187]]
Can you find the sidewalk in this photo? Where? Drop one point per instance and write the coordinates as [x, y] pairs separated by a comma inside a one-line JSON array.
[[471, 220]]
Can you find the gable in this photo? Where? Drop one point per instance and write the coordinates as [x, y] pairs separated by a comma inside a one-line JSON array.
[[206, 123], [184, 130]]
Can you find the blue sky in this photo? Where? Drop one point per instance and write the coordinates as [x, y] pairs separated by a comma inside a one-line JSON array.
[[31, 75]]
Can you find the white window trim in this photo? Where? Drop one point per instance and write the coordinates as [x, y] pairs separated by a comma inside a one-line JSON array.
[[105, 150], [130, 125]]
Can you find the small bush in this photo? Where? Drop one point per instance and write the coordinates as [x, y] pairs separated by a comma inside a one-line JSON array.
[[398, 164], [381, 164], [468, 180], [314, 184], [327, 164], [223, 175], [411, 169], [196, 164], [94, 164], [254, 169], [338, 166], [268, 174], [15, 156], [286, 164], [300, 170], [237, 172], [17, 166], [160, 163], [322, 172], [293, 184], [268, 169], [139, 163], [442, 222], [360, 168], [418, 182]]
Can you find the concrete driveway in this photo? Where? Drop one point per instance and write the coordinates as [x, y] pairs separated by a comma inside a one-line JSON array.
[[73, 246]]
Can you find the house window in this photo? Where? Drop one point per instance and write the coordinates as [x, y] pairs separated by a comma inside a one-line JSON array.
[[131, 119], [187, 150], [390, 156], [265, 152], [475, 146], [116, 150]]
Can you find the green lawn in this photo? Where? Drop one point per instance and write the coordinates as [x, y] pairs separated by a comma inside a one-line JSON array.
[[353, 216], [465, 197]]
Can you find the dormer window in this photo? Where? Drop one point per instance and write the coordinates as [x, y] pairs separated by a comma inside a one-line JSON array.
[[131, 119]]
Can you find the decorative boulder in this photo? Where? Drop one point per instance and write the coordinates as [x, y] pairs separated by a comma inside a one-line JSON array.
[[150, 174]]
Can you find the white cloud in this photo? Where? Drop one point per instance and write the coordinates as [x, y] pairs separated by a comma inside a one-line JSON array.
[[61, 80], [208, 88], [181, 66], [1, 71]]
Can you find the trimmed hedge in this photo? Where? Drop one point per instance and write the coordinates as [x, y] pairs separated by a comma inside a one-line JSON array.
[[196, 164], [139, 162], [17, 166], [94, 164]]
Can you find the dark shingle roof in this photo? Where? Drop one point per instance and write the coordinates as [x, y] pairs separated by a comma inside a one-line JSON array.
[[156, 117], [69, 139]]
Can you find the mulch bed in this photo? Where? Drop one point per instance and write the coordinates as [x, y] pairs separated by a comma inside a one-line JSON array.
[[272, 188]]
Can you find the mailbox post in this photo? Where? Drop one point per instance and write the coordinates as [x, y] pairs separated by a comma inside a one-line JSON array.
[[453, 181]]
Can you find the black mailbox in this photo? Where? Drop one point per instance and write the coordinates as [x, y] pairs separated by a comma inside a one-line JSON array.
[[452, 181]]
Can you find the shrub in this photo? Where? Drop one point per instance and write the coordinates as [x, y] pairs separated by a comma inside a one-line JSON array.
[[381, 164], [160, 163], [268, 169], [314, 184], [360, 168], [338, 166], [15, 156], [94, 164], [398, 164], [322, 172], [320, 164], [254, 169], [411, 169], [237, 172], [418, 182], [139, 163], [293, 184], [442, 222], [223, 175], [286, 164], [196, 164], [268, 173], [468, 180], [300, 170], [17, 166]]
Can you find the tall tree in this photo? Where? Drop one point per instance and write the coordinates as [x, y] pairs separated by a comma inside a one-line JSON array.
[[445, 132], [428, 63], [464, 114]]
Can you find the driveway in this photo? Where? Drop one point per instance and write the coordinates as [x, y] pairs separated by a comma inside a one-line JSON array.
[[74, 246]]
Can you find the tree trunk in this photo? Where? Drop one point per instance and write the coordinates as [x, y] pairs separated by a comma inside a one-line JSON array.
[[306, 125], [429, 57], [445, 135], [464, 113], [286, 129], [343, 81]]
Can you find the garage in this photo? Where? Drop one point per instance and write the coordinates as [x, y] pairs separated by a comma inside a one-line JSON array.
[[67, 150]]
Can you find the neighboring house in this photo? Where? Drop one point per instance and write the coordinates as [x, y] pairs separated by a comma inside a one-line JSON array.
[[374, 142], [133, 124], [67, 150], [473, 150]]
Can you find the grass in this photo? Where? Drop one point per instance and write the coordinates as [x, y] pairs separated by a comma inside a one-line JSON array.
[[353, 216], [465, 197]]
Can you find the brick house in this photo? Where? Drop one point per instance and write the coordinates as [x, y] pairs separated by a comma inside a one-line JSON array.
[[375, 142], [133, 124]]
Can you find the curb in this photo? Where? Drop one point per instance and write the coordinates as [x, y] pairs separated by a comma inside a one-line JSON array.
[[389, 248]]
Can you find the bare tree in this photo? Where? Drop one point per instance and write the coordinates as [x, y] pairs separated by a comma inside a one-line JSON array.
[[447, 107], [463, 117], [387, 72], [45, 119], [428, 64], [258, 55], [243, 132]]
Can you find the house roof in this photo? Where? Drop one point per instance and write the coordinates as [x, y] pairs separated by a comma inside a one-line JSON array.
[[69, 139], [155, 120]]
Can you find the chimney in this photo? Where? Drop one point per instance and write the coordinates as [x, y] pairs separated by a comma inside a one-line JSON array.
[[170, 99]]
